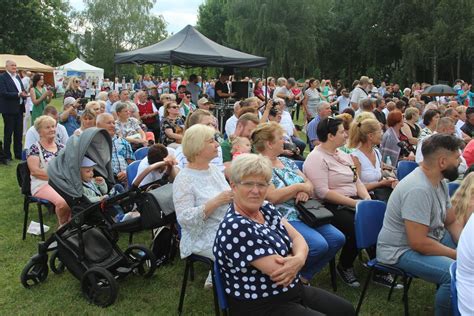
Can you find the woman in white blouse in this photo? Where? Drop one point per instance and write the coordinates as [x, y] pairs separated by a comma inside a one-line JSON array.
[[366, 133], [201, 195]]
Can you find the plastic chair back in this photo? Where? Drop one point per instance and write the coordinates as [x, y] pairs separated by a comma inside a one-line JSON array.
[[368, 222], [454, 291], [299, 163], [404, 168], [141, 153], [132, 170], [452, 187], [218, 283]]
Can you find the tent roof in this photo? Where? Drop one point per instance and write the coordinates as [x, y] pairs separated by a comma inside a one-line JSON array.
[[24, 62], [189, 47], [80, 65]]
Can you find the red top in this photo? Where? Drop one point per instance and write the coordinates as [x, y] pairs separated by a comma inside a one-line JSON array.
[[146, 108]]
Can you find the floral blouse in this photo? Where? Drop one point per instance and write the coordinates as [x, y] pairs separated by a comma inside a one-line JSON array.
[[290, 174]]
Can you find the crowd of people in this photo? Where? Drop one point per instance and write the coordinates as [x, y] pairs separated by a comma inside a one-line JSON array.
[[236, 192]]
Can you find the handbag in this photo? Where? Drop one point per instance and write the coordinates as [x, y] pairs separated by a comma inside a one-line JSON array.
[[311, 212]]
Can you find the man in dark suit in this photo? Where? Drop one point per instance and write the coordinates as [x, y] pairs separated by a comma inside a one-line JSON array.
[[12, 107]]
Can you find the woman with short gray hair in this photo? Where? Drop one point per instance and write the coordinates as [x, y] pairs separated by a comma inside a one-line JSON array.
[[129, 127]]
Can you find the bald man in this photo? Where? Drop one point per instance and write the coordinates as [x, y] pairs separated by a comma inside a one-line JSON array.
[[12, 107]]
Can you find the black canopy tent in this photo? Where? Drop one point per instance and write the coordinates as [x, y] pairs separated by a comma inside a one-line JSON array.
[[191, 48]]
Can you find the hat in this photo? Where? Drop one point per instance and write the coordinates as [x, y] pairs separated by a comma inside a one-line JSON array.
[[204, 101], [69, 101], [86, 163]]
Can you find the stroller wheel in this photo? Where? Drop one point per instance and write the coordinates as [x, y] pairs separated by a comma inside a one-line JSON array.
[[55, 264], [34, 272], [143, 260], [99, 286]]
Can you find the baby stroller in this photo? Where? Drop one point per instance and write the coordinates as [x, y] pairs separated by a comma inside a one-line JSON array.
[[87, 245]]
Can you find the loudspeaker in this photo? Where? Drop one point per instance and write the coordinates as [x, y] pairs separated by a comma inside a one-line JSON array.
[[242, 89]]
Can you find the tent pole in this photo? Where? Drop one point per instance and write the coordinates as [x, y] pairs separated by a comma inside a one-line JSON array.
[[171, 71], [266, 84]]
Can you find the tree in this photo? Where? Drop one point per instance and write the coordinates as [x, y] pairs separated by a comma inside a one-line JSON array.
[[37, 28], [106, 27]]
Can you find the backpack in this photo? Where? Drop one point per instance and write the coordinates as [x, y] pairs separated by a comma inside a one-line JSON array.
[[164, 245]]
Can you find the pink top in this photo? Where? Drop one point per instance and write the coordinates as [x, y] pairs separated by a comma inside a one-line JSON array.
[[330, 172]]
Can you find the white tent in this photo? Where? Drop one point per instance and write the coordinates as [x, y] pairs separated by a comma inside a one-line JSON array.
[[79, 68]]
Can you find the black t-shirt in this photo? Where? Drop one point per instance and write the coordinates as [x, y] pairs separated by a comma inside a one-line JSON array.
[[220, 87], [468, 129]]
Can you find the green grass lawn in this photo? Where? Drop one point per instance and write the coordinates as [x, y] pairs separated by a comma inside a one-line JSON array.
[[60, 294]]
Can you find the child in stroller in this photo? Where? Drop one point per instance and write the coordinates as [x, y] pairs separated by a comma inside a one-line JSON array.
[[86, 245]]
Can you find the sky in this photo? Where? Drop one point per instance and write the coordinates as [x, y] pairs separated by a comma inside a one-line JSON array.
[[177, 13]]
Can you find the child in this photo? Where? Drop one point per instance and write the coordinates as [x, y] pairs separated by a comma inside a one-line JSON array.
[[95, 189], [240, 145]]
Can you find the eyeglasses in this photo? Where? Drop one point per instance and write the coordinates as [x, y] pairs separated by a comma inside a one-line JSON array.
[[77, 81], [249, 185], [173, 107], [354, 171]]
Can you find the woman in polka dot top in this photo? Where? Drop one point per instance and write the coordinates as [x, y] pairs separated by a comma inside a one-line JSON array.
[[260, 254]]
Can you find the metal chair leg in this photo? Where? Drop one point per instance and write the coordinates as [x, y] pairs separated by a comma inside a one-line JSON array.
[[366, 285], [183, 287], [25, 219], [406, 286], [40, 216], [391, 287], [332, 270]]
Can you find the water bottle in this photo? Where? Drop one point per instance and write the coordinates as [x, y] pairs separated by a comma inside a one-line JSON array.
[[388, 161]]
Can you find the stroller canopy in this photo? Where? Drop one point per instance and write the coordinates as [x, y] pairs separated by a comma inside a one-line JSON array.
[[64, 171]]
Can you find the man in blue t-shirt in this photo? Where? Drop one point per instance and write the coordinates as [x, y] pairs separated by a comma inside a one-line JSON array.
[[324, 111], [69, 118]]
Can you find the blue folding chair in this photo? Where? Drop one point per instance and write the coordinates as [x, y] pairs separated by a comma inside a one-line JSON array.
[[141, 153], [299, 163], [454, 291], [404, 168], [452, 187], [132, 170], [23, 178], [368, 223], [219, 285]]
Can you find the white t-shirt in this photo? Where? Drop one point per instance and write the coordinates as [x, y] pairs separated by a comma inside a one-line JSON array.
[[154, 175], [343, 102], [32, 136], [281, 90], [287, 123], [465, 269], [358, 94], [230, 125]]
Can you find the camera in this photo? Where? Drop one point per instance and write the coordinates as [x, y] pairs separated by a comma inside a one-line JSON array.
[[404, 149]]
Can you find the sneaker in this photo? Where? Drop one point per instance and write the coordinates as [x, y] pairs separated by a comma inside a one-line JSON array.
[[348, 276], [208, 283], [385, 279]]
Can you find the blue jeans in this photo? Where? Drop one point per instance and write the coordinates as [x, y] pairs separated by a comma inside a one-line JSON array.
[[434, 269], [299, 143], [323, 243]]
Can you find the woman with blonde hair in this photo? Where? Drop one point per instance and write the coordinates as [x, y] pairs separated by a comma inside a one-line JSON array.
[[73, 89], [410, 128], [364, 135], [87, 120], [463, 204], [201, 195]]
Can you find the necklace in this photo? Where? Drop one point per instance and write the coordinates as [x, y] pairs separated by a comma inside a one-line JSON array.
[[253, 218]]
